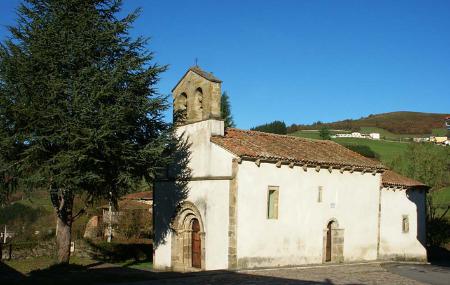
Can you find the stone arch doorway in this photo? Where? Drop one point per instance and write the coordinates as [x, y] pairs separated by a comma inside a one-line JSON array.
[[333, 240], [188, 239]]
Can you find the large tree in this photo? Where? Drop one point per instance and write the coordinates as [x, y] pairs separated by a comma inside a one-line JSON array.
[[225, 110], [79, 112]]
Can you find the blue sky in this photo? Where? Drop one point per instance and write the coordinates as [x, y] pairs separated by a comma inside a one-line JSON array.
[[303, 61]]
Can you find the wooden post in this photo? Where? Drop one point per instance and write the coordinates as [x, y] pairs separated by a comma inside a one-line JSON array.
[[10, 251], [1, 250]]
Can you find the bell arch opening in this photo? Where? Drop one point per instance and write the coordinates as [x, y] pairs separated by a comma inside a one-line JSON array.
[[198, 95]]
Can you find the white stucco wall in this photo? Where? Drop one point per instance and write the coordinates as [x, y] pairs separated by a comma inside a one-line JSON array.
[[296, 237], [207, 159], [209, 191], [394, 243]]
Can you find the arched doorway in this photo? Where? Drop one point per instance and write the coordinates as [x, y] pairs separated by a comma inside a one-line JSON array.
[[196, 245], [329, 241], [333, 242], [188, 239]]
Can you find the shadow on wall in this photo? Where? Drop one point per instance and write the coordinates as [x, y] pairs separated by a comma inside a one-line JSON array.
[[171, 189], [418, 198]]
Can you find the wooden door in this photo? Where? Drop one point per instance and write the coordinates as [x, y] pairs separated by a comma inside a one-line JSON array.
[[328, 246], [196, 245]]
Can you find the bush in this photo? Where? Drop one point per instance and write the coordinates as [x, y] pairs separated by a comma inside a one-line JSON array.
[[363, 150]]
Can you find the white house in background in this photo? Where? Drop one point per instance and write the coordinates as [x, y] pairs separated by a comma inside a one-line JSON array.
[[264, 200], [374, 136]]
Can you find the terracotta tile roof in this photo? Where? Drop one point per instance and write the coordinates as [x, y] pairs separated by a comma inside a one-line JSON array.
[[391, 178], [145, 195], [253, 144]]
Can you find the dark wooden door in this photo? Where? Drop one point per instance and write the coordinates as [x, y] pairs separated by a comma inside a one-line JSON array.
[[196, 245], [328, 246]]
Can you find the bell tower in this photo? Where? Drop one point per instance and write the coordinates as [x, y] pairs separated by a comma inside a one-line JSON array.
[[197, 96]]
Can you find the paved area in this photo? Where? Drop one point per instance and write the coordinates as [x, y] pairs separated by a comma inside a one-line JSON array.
[[373, 273], [431, 274]]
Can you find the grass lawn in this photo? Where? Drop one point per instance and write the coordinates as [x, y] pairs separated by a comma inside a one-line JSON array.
[[25, 266]]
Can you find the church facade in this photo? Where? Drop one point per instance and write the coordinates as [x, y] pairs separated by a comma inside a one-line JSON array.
[[265, 200]]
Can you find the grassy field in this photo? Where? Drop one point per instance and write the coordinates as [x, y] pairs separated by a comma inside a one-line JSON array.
[[385, 134], [387, 150], [314, 134]]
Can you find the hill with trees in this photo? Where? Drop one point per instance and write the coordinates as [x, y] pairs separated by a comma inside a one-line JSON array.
[[275, 127], [395, 122]]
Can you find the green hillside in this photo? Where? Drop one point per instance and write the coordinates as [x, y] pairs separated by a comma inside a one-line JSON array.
[[385, 151], [392, 124]]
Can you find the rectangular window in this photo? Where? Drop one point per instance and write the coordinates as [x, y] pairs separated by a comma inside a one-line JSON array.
[[319, 194], [405, 223], [272, 202]]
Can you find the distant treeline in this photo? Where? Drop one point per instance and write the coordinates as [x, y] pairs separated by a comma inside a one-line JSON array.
[[275, 127], [395, 122]]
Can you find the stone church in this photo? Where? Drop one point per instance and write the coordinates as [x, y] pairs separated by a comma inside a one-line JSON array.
[[264, 200]]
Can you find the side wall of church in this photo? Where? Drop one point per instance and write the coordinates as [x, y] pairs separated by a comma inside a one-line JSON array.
[[297, 235], [396, 242], [208, 191]]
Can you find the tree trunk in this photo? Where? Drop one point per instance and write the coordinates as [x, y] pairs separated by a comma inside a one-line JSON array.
[[63, 239]]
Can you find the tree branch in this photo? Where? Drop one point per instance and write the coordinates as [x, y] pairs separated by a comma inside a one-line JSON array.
[[80, 212]]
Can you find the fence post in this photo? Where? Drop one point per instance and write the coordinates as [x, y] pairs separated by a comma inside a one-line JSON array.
[[10, 251], [1, 250]]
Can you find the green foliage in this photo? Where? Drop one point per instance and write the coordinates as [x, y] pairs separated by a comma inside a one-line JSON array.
[[275, 127], [425, 162], [324, 133], [78, 106], [429, 164], [441, 132], [225, 111], [363, 150], [135, 224]]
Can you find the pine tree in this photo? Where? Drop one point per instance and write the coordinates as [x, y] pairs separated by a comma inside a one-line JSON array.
[[225, 110], [79, 113], [324, 133]]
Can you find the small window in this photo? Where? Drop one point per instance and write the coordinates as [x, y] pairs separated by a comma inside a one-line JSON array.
[[319, 194], [405, 223], [272, 203]]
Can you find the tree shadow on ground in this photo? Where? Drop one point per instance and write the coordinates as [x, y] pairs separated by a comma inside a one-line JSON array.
[[438, 255], [103, 273], [9, 274], [117, 252]]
